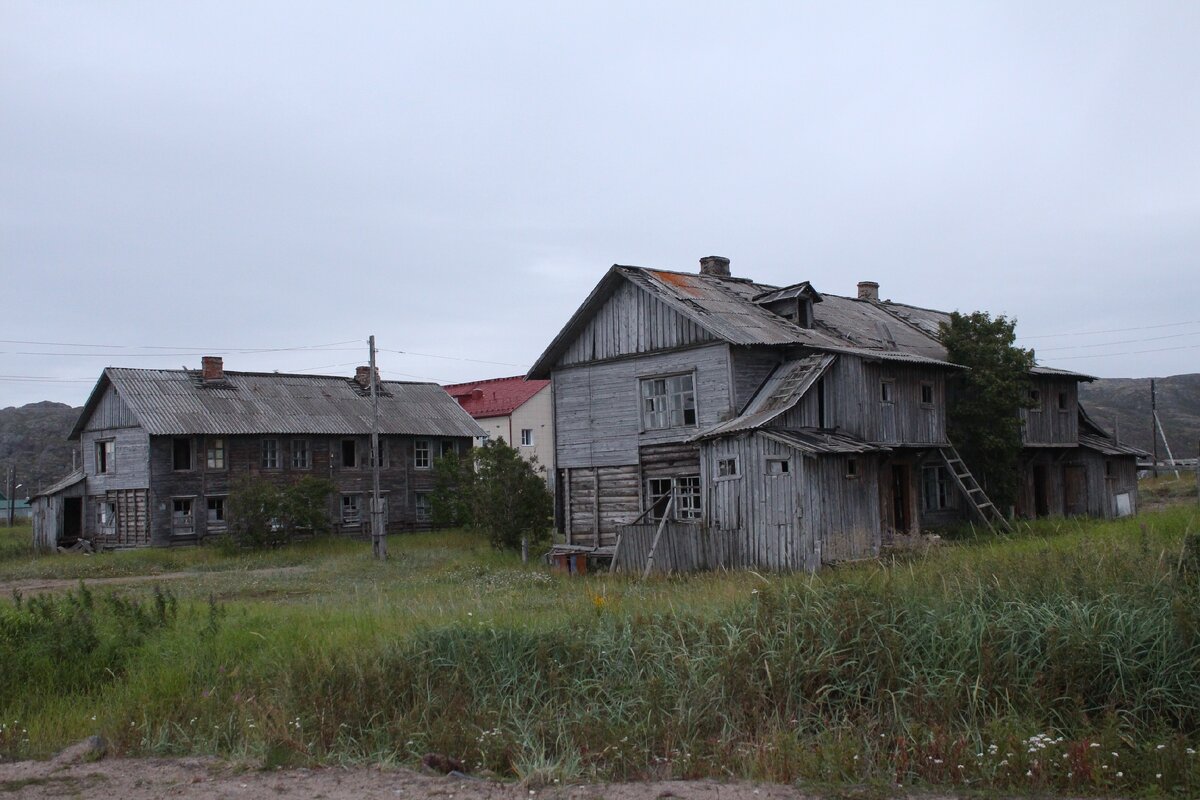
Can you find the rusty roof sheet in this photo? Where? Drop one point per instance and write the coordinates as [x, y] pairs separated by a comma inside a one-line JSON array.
[[178, 402]]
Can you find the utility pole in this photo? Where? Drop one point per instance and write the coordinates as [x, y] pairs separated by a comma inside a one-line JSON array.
[[378, 534], [12, 491], [1154, 424]]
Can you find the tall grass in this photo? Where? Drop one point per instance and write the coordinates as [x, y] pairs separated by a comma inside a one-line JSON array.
[[1016, 662]]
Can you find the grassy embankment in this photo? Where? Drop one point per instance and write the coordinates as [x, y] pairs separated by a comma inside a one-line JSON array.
[[1066, 658]]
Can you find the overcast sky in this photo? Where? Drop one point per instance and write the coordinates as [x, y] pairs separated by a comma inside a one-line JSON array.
[[456, 177]]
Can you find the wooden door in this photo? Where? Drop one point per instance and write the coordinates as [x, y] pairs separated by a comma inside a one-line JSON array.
[[1075, 496]]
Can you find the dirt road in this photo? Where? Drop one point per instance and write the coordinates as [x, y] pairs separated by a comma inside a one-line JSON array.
[[35, 586]]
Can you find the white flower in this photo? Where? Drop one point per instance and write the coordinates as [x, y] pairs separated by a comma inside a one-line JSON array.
[[1120, 774]]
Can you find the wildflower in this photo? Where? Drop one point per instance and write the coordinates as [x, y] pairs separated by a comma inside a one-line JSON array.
[[1094, 744], [1158, 775], [1120, 774], [1028, 773], [1161, 747]]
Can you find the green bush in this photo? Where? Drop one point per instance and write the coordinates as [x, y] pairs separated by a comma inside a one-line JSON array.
[[263, 514]]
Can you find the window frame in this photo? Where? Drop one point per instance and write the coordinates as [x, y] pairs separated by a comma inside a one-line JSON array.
[[1064, 403], [927, 388], [785, 463], [422, 454], [941, 487], [354, 520], [221, 524], [215, 453], [689, 497], [176, 528], [106, 452], [735, 474], [301, 447], [526, 437], [1035, 397], [447, 447], [269, 454], [674, 400], [887, 391], [106, 517], [357, 461], [423, 506], [852, 472], [176, 442]]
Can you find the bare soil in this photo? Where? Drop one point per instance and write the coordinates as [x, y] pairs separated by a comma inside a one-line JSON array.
[[210, 779], [35, 586]]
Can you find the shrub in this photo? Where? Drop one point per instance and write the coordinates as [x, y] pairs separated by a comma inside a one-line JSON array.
[[262, 514]]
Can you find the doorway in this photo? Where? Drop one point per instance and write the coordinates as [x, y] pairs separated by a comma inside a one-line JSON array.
[[72, 530], [901, 508], [1041, 501]]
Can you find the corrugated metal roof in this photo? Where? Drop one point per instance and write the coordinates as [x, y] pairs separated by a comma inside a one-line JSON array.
[[816, 441], [787, 384], [1108, 447], [178, 402], [496, 397], [1065, 373], [62, 483]]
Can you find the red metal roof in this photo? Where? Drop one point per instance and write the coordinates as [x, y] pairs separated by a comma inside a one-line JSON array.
[[497, 397]]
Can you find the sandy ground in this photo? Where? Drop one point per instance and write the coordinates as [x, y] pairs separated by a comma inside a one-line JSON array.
[[34, 586]]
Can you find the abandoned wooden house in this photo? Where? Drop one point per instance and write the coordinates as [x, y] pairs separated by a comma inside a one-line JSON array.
[[715, 421], [162, 450]]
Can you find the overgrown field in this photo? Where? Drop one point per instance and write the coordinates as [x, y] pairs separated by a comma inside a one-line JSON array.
[[1065, 658]]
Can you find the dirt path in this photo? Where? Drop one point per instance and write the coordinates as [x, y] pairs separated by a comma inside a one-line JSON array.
[[34, 586], [206, 779]]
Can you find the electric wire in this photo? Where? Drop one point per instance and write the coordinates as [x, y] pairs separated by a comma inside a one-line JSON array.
[[1110, 330]]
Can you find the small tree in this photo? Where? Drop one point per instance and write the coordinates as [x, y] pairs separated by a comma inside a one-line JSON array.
[[982, 413], [261, 514], [453, 477], [493, 490], [509, 499]]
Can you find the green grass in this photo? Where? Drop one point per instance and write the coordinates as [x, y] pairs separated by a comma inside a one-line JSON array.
[[908, 670]]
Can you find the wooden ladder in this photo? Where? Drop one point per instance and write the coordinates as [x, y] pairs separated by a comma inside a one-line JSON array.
[[971, 490]]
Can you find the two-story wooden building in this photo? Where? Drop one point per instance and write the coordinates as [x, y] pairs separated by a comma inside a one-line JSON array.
[[162, 449], [771, 427]]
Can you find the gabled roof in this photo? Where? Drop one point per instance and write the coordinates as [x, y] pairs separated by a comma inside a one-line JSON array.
[[782, 391], [496, 397], [62, 483], [817, 441], [179, 402]]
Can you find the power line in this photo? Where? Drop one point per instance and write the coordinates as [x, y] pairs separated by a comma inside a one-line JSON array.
[[451, 358], [1124, 341], [43, 379], [1129, 353], [201, 350], [1110, 330]]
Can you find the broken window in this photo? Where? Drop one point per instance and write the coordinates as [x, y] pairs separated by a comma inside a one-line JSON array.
[[421, 454], [668, 402], [301, 454], [270, 454], [104, 456], [106, 517], [182, 521], [727, 467], [351, 509], [215, 457], [216, 513], [851, 467], [926, 394], [423, 507], [181, 454], [349, 453], [887, 391], [381, 455], [935, 488], [686, 493], [779, 466]]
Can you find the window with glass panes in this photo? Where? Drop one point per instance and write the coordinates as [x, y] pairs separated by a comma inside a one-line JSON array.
[[668, 402]]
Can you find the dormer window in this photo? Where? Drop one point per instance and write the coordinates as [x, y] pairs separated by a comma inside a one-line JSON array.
[[793, 303]]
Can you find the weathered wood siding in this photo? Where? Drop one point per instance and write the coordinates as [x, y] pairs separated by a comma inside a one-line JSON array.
[[598, 419], [632, 322], [844, 517], [131, 527], [1047, 423], [111, 412], [130, 463], [1077, 481], [400, 479], [853, 403], [751, 366], [599, 500]]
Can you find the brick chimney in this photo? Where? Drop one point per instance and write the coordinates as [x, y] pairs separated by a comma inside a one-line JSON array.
[[717, 266], [868, 290], [362, 376], [212, 368]]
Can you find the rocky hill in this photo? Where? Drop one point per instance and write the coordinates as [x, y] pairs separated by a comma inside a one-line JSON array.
[[33, 439], [1127, 401]]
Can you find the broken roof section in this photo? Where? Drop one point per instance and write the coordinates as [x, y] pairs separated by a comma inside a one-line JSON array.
[[782, 391]]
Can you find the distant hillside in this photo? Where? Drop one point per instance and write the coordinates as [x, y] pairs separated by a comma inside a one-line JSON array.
[[33, 439], [1127, 400]]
